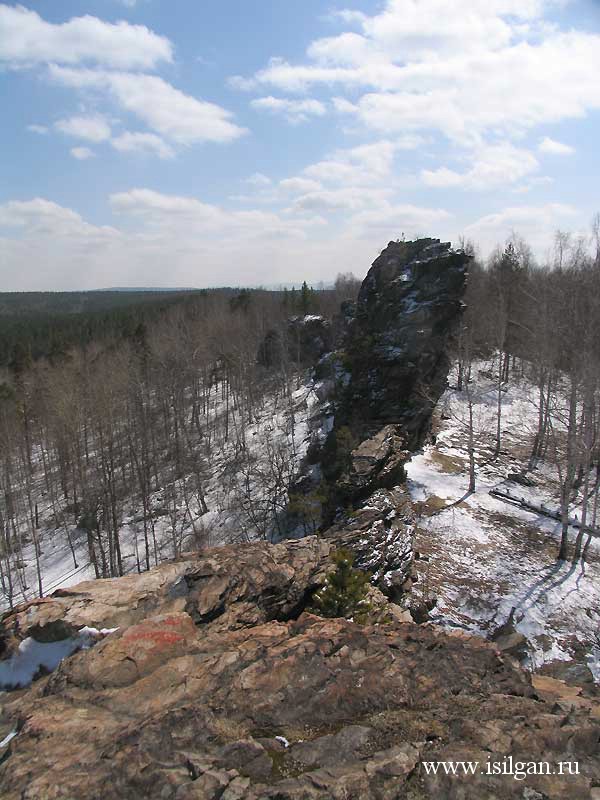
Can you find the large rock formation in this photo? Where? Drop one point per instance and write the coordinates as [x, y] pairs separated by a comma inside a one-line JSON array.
[[216, 687], [398, 339], [375, 463], [381, 386], [229, 587]]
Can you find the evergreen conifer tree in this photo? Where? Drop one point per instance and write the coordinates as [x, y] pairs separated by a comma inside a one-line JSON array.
[[345, 591], [306, 299]]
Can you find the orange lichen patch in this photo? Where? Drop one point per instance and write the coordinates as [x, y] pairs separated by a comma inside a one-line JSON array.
[[159, 637], [161, 632], [173, 620]]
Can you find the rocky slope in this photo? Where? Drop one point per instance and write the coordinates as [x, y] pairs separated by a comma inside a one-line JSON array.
[[217, 685]]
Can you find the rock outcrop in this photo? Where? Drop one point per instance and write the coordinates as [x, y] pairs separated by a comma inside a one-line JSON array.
[[305, 340], [228, 588], [376, 463], [216, 687], [309, 337], [398, 339], [380, 534], [380, 387]]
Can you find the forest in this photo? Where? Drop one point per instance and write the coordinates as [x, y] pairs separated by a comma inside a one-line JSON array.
[[135, 417], [161, 425], [542, 322]]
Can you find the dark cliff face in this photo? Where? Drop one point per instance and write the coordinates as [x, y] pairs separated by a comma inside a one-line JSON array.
[[398, 339], [381, 384]]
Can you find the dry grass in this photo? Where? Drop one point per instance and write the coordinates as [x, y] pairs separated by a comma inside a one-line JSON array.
[[434, 504], [230, 730], [450, 464]]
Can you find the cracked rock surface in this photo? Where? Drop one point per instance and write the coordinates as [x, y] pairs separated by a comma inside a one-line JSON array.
[[217, 685]]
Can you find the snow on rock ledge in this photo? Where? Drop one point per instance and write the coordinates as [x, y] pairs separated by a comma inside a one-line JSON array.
[[34, 658]]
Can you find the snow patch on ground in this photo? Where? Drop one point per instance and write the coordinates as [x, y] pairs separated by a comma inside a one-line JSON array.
[[8, 738], [484, 558]]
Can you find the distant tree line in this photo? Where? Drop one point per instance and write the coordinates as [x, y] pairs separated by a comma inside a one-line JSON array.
[[47, 324], [36, 325]]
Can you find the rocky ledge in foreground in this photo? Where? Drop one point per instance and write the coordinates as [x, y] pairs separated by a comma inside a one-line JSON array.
[[217, 684]]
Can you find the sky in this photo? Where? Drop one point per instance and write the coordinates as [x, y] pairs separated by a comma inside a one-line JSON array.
[[244, 143]]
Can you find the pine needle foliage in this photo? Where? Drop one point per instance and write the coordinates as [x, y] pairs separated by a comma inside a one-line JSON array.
[[345, 590]]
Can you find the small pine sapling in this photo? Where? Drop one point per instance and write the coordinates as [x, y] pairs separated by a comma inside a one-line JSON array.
[[345, 591]]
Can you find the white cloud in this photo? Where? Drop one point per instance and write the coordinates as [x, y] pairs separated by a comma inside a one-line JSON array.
[[26, 39], [293, 110], [344, 106], [268, 192], [390, 221], [346, 50], [537, 224], [73, 252], [299, 185], [177, 116], [41, 216], [136, 142], [347, 180], [364, 164], [494, 67], [442, 178], [82, 153], [492, 166], [418, 28], [155, 206], [41, 129], [259, 180], [539, 180], [93, 128], [187, 216], [554, 148], [345, 199], [338, 180]]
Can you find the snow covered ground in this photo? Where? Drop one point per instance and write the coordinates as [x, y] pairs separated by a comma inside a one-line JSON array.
[[244, 490], [483, 557]]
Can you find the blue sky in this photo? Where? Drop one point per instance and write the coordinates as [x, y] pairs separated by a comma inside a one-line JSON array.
[[245, 143]]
